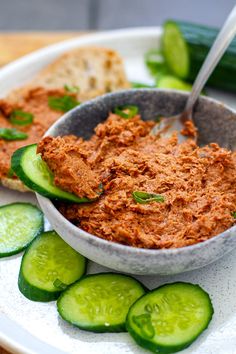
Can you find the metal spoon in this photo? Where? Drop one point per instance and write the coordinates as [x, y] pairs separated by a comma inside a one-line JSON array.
[[176, 123]]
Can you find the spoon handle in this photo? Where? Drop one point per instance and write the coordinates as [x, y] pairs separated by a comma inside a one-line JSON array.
[[217, 50]]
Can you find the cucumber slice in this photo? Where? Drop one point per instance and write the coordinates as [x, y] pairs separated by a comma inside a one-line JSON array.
[[35, 174], [175, 50], [172, 82], [155, 62], [20, 223], [170, 318], [48, 266], [100, 302]]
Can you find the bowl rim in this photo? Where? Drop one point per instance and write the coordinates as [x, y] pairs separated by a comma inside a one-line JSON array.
[[98, 241]]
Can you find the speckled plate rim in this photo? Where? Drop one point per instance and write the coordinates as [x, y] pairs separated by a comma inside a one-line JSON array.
[[17, 344], [117, 247]]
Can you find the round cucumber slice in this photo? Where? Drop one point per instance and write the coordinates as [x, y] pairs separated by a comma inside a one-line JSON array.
[[170, 318], [20, 223], [35, 174], [48, 266], [100, 302], [175, 50]]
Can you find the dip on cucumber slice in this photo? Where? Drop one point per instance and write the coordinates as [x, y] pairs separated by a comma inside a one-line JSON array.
[[35, 174]]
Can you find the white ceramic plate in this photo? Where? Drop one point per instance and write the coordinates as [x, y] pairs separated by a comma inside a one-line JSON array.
[[35, 328]]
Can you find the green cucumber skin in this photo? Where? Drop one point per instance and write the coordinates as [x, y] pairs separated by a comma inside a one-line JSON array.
[[159, 348], [199, 40], [33, 293], [41, 229], [19, 171], [118, 328]]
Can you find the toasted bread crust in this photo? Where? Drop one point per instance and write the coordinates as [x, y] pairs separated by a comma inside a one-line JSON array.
[[14, 184]]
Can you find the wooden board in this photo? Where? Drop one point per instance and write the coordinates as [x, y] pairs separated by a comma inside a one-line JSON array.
[[14, 45]]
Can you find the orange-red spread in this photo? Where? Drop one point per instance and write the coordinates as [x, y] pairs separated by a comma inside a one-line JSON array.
[[34, 101], [197, 184]]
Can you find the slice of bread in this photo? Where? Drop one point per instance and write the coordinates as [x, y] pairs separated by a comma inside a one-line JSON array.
[[14, 184], [94, 70]]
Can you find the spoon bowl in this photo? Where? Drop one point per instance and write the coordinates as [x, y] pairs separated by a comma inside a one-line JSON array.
[[215, 123]]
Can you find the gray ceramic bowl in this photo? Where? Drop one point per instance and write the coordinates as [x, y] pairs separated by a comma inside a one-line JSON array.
[[216, 123]]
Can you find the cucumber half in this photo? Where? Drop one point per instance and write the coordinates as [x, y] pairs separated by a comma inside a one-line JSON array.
[[175, 50], [185, 47], [170, 318], [35, 174], [100, 302], [48, 266], [20, 223]]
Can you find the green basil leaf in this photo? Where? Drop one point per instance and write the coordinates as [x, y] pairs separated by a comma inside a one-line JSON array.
[[12, 134], [10, 173], [59, 284], [64, 103], [127, 111], [20, 117], [71, 89], [144, 197]]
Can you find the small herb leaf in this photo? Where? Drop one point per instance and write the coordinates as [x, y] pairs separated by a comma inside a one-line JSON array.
[[127, 111], [64, 103], [71, 89], [59, 284], [144, 197], [12, 134], [10, 173], [20, 117], [234, 214]]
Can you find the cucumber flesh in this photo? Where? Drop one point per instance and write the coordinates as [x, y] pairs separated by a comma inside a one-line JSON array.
[[100, 302], [170, 318], [171, 82], [20, 223], [175, 50], [155, 63], [48, 266], [35, 174]]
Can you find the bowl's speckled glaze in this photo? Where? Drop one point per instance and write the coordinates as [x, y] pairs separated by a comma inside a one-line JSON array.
[[215, 122]]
